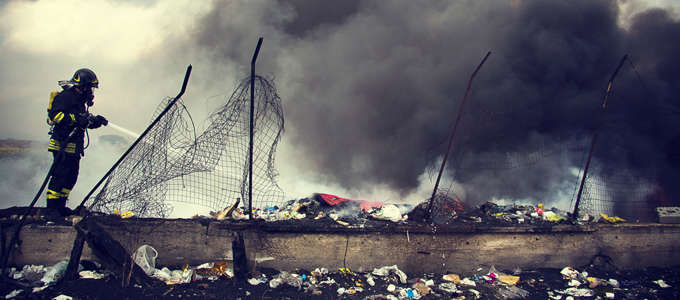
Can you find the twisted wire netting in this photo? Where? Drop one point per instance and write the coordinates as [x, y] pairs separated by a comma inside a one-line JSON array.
[[174, 164]]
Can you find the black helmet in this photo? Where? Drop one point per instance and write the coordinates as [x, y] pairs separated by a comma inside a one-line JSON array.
[[86, 78]]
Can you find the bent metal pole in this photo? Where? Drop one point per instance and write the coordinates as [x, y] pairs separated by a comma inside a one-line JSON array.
[[115, 165], [252, 114], [594, 138], [453, 133]]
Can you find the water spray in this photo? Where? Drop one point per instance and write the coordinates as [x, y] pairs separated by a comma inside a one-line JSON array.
[[123, 130]]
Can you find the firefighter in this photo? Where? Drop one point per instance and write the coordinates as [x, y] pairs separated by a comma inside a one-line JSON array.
[[68, 115]]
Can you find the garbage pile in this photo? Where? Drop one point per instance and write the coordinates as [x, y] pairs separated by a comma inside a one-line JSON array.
[[214, 280], [357, 213], [39, 277], [445, 210], [343, 211]]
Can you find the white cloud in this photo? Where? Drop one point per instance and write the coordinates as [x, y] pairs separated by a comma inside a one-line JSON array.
[[629, 8], [100, 29]]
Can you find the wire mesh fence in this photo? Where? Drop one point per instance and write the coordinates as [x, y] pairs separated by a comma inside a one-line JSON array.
[[176, 164]]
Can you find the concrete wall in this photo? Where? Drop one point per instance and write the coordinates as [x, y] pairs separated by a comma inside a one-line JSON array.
[[413, 249]]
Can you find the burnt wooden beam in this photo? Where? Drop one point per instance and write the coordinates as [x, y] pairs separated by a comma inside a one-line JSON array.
[[113, 256], [238, 250]]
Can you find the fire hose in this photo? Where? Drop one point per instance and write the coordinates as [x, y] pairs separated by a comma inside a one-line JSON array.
[[60, 155]]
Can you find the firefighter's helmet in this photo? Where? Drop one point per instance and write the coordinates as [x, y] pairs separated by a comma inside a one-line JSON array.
[[85, 78]]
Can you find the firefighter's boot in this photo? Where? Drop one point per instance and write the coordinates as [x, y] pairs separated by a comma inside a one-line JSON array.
[[63, 210], [54, 203]]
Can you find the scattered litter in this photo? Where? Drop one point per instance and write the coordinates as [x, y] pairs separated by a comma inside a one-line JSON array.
[[508, 279], [349, 291], [91, 275], [388, 212], [30, 273], [613, 282], [512, 292], [576, 292], [422, 288], [54, 273], [553, 217], [468, 282], [124, 215], [256, 281], [370, 280], [213, 271], [662, 284], [386, 270], [448, 287], [381, 297], [409, 293], [569, 273], [452, 277], [291, 279], [593, 282], [145, 258], [611, 219], [328, 281], [13, 294], [173, 276]]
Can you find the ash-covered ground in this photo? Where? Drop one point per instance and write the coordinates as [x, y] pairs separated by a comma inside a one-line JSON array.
[[600, 279]]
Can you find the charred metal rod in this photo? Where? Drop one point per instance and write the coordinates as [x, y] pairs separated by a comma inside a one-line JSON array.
[[252, 114], [594, 138], [453, 133], [115, 165]]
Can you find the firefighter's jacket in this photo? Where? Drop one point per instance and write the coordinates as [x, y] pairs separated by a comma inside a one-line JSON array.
[[65, 111]]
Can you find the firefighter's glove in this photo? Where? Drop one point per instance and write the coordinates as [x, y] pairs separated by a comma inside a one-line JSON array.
[[98, 121], [84, 120]]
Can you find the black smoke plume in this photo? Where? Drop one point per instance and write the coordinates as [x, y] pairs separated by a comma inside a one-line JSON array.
[[371, 88]]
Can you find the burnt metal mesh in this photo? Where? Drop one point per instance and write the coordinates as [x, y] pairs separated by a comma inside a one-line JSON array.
[[174, 164]]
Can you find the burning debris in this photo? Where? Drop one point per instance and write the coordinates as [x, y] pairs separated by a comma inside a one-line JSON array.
[[446, 211]]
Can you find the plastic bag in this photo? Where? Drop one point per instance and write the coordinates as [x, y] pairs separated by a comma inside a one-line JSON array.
[[145, 258], [513, 292], [54, 273], [293, 280], [386, 270]]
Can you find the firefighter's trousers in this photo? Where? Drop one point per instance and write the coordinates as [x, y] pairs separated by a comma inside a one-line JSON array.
[[64, 177]]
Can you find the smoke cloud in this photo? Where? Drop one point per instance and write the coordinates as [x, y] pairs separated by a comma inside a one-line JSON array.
[[371, 89]]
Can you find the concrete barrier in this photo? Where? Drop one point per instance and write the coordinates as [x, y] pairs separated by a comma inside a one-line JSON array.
[[418, 249]]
